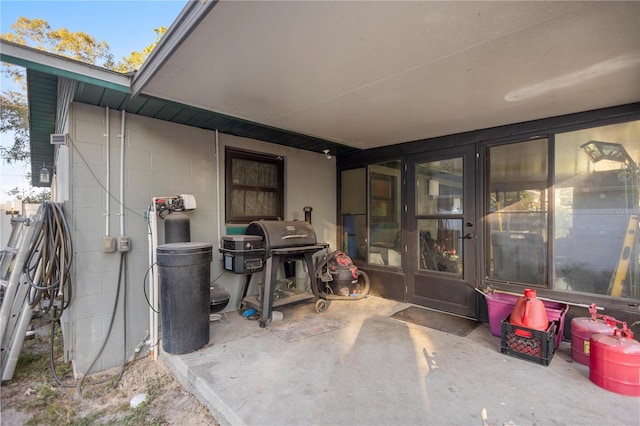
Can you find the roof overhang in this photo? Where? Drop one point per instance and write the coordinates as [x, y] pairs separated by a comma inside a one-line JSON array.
[[39, 60], [43, 71], [101, 87], [369, 74], [347, 76]]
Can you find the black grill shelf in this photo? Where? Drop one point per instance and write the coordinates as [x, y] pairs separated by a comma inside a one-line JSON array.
[[274, 257], [294, 298]]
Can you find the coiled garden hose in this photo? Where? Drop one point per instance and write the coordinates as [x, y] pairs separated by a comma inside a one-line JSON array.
[[53, 252]]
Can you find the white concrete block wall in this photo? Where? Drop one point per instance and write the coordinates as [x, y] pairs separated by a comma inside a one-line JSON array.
[[161, 159]]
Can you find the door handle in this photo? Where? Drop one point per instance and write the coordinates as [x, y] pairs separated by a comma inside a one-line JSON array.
[[466, 237]]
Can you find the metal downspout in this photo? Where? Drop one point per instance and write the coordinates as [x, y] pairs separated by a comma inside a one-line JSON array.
[[108, 182], [122, 173], [218, 192]]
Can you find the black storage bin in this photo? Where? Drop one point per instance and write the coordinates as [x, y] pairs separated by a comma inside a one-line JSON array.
[[184, 270], [242, 254], [242, 242], [243, 262]]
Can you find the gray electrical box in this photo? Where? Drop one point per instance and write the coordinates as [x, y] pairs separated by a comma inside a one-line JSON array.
[[124, 243], [108, 244]]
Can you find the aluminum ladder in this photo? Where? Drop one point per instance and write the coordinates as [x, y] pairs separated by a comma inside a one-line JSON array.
[[616, 285], [15, 312]]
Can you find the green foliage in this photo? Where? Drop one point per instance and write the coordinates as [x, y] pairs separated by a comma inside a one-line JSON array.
[[33, 196], [135, 60], [44, 393], [76, 45], [14, 117], [88, 420], [141, 414], [37, 33], [155, 384], [46, 408], [34, 393], [136, 416], [31, 365]]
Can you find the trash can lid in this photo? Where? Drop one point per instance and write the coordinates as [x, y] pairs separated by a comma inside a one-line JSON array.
[[184, 248]]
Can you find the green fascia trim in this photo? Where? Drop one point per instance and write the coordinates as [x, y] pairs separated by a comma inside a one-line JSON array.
[[42, 102], [62, 73], [235, 230]]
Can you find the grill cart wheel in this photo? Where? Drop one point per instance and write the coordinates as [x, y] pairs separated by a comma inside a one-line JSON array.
[[322, 305]]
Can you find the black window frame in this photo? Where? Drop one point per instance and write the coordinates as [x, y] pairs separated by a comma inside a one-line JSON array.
[[234, 153]]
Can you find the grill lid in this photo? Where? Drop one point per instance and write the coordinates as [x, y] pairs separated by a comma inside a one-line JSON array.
[[283, 234]]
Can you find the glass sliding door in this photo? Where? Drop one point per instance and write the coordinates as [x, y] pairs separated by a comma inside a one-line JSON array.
[[354, 213], [385, 218], [371, 210]]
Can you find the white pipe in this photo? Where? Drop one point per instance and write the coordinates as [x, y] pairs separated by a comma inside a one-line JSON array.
[[153, 315], [487, 294], [154, 290], [156, 287], [219, 212], [155, 343], [122, 173], [107, 197]]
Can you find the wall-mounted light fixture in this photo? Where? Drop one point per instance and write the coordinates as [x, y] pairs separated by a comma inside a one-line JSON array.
[[45, 174], [598, 150], [326, 154]]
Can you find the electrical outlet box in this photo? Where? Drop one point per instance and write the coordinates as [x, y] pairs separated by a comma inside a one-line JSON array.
[[124, 243], [108, 244]]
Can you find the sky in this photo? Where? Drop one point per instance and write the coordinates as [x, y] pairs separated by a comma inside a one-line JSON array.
[[125, 25]]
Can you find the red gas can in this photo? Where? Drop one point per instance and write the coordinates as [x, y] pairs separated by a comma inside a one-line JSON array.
[[583, 328], [614, 362], [529, 312]]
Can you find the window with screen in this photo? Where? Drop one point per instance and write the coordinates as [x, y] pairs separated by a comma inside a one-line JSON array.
[[254, 186]]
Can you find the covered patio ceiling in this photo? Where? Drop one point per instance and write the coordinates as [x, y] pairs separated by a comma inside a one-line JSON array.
[[374, 73]]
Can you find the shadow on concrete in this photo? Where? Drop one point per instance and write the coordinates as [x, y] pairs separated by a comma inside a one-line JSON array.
[[380, 371]]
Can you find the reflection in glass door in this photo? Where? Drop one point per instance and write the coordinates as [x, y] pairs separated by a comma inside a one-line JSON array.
[[440, 207], [443, 234]]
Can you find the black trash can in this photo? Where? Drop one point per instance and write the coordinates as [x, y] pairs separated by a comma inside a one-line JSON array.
[[184, 270]]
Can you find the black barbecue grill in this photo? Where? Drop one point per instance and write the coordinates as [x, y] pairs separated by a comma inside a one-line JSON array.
[[281, 241], [277, 234]]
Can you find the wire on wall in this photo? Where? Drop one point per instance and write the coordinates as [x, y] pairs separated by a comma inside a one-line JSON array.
[[111, 322], [47, 272], [117, 200]]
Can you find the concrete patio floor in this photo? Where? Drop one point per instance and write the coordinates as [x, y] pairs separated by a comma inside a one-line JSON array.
[[376, 370]]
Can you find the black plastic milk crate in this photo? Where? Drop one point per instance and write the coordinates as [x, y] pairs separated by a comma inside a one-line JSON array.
[[526, 343]]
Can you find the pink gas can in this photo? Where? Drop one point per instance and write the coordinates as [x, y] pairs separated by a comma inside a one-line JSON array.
[[614, 361], [583, 328]]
